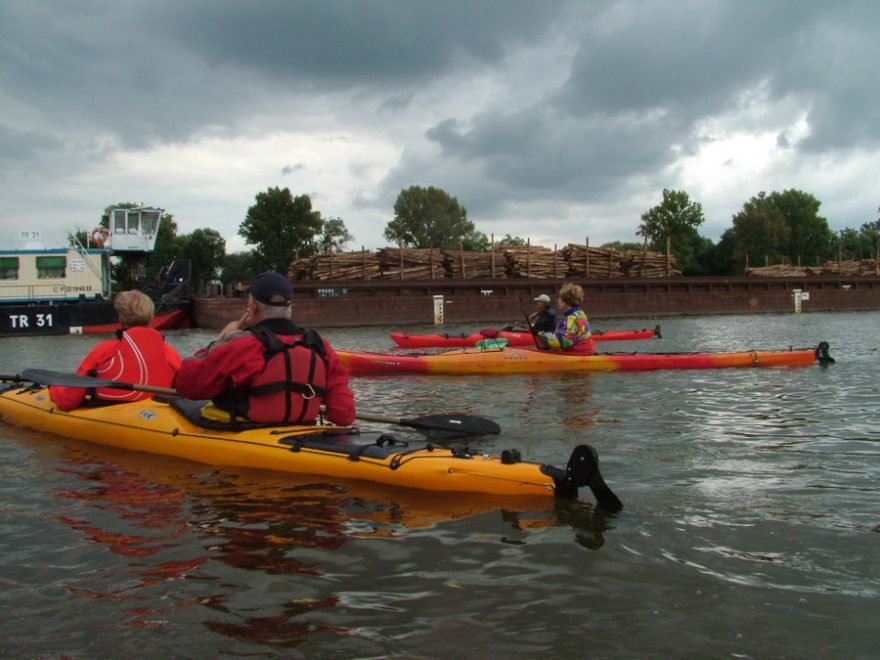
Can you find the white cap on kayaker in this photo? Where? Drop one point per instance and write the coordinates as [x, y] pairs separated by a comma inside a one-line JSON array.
[[544, 298]]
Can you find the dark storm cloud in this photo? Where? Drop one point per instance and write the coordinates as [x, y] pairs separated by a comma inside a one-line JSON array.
[[636, 95], [352, 43]]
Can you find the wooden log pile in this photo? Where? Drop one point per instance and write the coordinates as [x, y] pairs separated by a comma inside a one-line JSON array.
[[644, 263], [850, 268], [469, 265], [534, 261], [411, 264], [360, 265], [603, 262], [779, 270]]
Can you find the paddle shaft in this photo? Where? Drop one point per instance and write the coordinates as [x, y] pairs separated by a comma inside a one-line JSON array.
[[529, 322], [48, 377], [458, 424]]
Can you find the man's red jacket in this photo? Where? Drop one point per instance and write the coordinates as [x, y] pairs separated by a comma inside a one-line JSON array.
[[238, 358]]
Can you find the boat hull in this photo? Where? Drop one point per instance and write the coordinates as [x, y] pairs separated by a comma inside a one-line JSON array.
[[462, 340], [85, 317], [524, 360], [157, 427]]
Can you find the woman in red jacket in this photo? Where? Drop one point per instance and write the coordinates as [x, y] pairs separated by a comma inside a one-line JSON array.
[[137, 355]]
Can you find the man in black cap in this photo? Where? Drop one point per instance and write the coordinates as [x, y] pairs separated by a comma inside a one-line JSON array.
[[265, 368], [543, 319]]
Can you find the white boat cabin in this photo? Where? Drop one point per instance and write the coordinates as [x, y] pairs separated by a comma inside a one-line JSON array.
[[133, 230], [53, 275]]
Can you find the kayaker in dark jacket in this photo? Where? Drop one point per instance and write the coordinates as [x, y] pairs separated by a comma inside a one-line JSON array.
[[543, 319], [265, 368], [137, 355]]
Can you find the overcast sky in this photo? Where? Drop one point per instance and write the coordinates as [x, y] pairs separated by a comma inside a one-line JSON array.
[[553, 121]]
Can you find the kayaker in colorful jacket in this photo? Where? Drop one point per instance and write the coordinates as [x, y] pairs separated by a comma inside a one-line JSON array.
[[265, 368], [138, 354], [573, 331]]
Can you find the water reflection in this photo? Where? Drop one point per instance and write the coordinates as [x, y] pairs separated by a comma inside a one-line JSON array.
[[172, 525]]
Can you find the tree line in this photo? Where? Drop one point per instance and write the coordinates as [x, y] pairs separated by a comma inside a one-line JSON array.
[[771, 228]]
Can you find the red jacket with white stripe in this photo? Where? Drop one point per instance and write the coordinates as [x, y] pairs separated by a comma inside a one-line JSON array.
[[138, 355]]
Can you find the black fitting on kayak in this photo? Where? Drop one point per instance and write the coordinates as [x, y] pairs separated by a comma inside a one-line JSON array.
[[822, 355], [657, 331], [511, 456], [583, 470]]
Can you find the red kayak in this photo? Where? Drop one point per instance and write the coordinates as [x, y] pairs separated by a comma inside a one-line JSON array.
[[513, 338]]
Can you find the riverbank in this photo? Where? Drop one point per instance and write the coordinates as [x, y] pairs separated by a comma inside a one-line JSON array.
[[383, 302]]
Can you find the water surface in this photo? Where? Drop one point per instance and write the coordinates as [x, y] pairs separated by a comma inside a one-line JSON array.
[[750, 526]]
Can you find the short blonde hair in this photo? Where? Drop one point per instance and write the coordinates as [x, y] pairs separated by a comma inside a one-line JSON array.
[[572, 294], [133, 308]]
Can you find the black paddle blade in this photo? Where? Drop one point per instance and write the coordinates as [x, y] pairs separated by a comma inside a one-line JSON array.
[[583, 470], [452, 425], [48, 377]]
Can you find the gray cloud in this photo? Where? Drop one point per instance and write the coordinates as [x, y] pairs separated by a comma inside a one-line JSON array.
[[505, 104]]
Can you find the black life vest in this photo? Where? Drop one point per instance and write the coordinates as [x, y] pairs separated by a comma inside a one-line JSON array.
[[291, 387]]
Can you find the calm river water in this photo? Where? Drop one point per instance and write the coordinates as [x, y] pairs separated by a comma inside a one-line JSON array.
[[751, 525]]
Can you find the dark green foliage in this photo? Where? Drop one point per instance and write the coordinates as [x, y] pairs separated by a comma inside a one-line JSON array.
[[429, 218], [282, 227]]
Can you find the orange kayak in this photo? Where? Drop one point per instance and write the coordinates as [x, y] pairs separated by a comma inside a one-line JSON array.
[[509, 360], [461, 340], [175, 427]]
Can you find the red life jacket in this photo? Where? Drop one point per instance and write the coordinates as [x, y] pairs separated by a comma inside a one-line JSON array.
[[291, 387], [139, 358]]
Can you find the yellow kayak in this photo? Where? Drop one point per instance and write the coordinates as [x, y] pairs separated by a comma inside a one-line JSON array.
[[175, 427]]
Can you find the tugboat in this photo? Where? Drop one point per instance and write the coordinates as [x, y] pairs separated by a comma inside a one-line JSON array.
[[52, 291]]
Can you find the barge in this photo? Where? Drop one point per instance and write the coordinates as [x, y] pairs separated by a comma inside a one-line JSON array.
[[458, 302]]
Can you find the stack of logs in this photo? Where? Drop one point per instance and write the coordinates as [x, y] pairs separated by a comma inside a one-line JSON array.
[[607, 262], [468, 265], [850, 268], [411, 264], [535, 262], [363, 265]]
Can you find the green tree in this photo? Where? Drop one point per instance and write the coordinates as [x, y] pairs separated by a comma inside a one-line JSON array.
[[240, 267], [782, 227], [869, 239], [760, 233], [671, 221], [282, 228], [428, 217], [475, 241], [205, 249], [335, 235], [809, 237]]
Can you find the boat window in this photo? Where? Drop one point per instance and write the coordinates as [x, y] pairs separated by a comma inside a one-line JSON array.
[[8, 268], [51, 267], [150, 221]]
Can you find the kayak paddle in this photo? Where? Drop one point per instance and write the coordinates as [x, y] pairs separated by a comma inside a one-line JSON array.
[[441, 425], [529, 323], [48, 377], [438, 425]]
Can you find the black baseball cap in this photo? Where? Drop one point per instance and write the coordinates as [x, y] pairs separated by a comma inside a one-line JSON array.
[[271, 288]]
